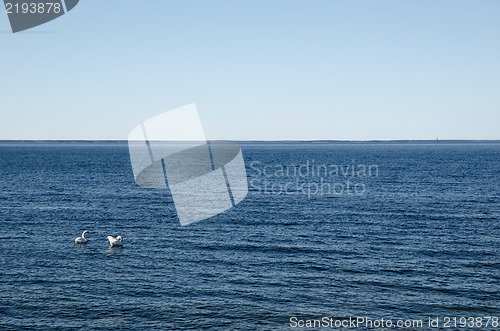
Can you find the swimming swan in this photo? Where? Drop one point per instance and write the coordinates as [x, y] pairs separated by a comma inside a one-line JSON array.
[[118, 241], [82, 239]]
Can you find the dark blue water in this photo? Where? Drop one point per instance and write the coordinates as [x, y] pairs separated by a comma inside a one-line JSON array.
[[418, 237]]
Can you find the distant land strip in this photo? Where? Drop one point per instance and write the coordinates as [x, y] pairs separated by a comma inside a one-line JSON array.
[[400, 141]]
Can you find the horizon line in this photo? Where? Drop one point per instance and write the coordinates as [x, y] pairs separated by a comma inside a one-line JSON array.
[[283, 140]]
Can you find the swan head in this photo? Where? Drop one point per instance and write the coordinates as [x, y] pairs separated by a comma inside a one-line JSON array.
[[119, 238], [86, 231]]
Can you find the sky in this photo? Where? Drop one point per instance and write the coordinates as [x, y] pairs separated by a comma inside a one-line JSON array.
[[257, 69]]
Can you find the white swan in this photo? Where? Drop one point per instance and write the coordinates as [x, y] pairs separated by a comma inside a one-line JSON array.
[[118, 241], [82, 239]]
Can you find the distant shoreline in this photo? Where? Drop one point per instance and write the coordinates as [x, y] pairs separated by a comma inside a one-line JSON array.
[[402, 141]]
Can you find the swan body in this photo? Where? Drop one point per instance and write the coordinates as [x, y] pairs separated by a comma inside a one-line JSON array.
[[118, 241], [82, 239]]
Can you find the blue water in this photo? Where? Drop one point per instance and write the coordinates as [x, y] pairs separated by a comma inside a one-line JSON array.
[[420, 239]]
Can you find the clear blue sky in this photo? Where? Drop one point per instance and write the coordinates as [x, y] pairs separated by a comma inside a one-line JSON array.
[[267, 70]]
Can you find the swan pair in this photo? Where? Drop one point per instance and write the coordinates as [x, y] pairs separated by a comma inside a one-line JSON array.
[[118, 241]]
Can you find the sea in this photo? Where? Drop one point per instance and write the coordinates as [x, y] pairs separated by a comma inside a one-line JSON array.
[[329, 232]]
